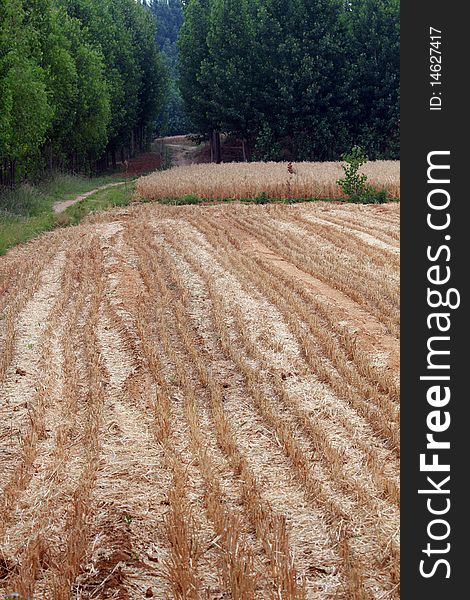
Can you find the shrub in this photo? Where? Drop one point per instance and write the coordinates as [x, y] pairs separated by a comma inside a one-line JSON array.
[[262, 198], [354, 184], [371, 195]]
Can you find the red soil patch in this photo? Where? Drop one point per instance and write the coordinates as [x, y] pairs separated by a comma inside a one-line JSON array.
[[144, 163]]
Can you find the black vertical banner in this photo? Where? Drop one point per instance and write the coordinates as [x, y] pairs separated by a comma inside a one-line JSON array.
[[435, 197]]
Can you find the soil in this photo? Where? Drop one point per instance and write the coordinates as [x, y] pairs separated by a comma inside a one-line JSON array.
[[141, 165]]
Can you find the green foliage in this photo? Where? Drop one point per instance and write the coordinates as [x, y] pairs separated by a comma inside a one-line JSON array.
[[262, 198], [169, 17], [193, 51], [354, 184], [310, 77], [26, 112], [26, 212], [373, 40], [154, 82], [266, 147], [101, 200], [191, 199], [78, 78], [24, 201], [231, 66], [371, 196], [31, 200], [90, 111]]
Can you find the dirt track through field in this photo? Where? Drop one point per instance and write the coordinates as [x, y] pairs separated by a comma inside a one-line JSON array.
[[59, 207], [202, 402]]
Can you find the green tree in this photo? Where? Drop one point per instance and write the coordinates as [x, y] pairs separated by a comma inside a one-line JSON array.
[[77, 77], [26, 113], [52, 51], [305, 79], [90, 112], [193, 50], [279, 51], [321, 82], [169, 17], [154, 79], [374, 48], [230, 71], [125, 34]]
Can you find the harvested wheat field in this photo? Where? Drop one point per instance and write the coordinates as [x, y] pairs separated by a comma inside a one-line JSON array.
[[276, 179], [202, 403]]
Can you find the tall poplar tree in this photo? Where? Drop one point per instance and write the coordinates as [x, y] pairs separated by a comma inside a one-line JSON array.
[[26, 113], [232, 68], [374, 48], [193, 48]]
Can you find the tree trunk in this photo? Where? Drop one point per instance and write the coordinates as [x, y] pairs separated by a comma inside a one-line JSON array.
[[113, 158], [246, 150], [211, 140], [50, 159], [132, 149], [12, 173], [218, 151]]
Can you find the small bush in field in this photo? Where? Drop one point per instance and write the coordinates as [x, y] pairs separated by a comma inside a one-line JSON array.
[[262, 198], [354, 184]]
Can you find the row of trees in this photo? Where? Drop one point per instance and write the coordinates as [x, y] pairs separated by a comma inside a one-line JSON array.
[[169, 17], [81, 84], [303, 78]]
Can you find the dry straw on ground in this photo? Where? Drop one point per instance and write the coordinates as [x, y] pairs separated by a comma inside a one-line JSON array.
[[248, 180], [202, 402]]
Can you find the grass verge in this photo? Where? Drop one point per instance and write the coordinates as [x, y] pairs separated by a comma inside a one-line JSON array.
[[28, 211], [261, 199], [102, 200]]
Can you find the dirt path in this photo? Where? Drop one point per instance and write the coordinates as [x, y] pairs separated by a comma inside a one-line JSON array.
[[183, 152], [182, 155], [201, 402], [59, 207]]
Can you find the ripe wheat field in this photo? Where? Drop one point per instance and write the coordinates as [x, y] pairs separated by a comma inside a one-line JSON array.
[[202, 402], [276, 179]]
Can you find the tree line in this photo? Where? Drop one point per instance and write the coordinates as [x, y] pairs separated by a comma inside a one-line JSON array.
[[304, 79], [169, 17], [81, 84]]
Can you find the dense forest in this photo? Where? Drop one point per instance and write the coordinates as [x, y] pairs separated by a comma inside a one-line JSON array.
[[302, 79], [81, 84], [86, 83], [169, 16]]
